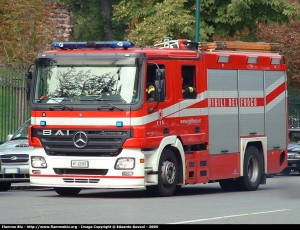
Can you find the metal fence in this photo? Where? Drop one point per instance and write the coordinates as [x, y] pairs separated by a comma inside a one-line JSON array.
[[294, 115], [294, 105], [14, 107]]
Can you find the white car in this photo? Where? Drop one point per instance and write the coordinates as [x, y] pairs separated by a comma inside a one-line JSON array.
[[14, 156], [293, 152]]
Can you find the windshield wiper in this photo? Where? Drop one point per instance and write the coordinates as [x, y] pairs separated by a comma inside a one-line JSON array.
[[109, 107], [19, 138], [60, 107]]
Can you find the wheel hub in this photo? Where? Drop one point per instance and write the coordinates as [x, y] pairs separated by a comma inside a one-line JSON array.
[[168, 173]]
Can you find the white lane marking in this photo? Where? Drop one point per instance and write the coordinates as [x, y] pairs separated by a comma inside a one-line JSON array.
[[231, 216]]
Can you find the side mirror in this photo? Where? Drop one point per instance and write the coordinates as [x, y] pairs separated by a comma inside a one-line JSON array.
[[28, 88], [160, 85], [9, 136], [29, 75], [29, 78]]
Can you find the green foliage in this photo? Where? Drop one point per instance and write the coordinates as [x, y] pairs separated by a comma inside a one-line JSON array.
[[176, 18], [234, 17], [88, 21], [158, 19], [161, 20], [88, 24], [4, 72], [24, 30]]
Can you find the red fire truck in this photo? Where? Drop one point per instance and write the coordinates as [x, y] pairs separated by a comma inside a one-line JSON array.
[[94, 126]]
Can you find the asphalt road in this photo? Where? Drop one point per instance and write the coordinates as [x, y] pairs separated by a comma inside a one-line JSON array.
[[277, 202]]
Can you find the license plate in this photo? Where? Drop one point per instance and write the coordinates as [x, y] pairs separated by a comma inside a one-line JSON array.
[[11, 171], [79, 164]]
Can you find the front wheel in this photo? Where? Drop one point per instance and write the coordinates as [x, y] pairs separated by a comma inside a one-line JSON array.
[[67, 191], [253, 169], [5, 186], [167, 175]]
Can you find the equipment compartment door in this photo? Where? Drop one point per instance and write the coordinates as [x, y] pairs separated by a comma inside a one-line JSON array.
[[276, 111], [251, 102], [223, 111]]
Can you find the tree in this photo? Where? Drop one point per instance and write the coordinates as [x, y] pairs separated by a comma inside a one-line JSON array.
[[87, 19], [232, 18], [175, 18], [288, 36], [105, 9], [158, 19], [93, 21], [25, 29]]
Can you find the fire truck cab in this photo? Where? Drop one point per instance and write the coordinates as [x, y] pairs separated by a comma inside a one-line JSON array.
[[93, 125]]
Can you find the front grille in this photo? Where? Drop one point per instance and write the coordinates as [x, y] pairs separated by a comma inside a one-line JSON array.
[[76, 180], [14, 158], [99, 142], [81, 171], [14, 176]]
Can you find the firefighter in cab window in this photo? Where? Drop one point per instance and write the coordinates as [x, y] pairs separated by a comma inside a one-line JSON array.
[[150, 91], [188, 91]]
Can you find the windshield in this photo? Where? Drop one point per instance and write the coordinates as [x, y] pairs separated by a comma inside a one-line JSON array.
[[294, 135], [84, 82], [22, 132]]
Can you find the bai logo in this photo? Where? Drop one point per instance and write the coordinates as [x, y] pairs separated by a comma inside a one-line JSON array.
[[56, 132]]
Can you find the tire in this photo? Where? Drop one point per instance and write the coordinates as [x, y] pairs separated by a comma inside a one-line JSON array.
[[178, 188], [285, 172], [67, 191], [167, 175], [229, 184], [253, 170], [5, 186]]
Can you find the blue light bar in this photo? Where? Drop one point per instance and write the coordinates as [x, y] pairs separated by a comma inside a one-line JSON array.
[[42, 123], [95, 45]]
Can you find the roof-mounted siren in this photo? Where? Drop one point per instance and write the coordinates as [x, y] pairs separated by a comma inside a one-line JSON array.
[[178, 44], [93, 45]]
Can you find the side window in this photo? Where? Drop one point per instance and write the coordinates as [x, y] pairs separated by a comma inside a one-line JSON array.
[[153, 83], [188, 82]]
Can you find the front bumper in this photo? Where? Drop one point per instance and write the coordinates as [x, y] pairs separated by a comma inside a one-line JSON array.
[[293, 161], [14, 173], [101, 172]]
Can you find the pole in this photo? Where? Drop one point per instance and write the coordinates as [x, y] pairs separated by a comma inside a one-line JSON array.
[[197, 36]]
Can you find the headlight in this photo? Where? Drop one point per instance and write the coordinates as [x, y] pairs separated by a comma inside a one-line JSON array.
[[297, 156], [38, 162], [125, 163]]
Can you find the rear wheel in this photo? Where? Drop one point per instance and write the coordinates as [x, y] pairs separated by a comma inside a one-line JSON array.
[[167, 175], [67, 191], [5, 186], [285, 172], [253, 169], [229, 184]]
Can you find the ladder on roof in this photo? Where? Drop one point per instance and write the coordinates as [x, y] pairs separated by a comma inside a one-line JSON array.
[[219, 45], [177, 44], [238, 45], [169, 43]]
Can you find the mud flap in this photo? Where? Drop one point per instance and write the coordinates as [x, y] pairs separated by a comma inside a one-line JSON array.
[[263, 179]]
